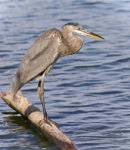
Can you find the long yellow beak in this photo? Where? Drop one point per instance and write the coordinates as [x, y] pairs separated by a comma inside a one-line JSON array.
[[89, 34], [94, 35]]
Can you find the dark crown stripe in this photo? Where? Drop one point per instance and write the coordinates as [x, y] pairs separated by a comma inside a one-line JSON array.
[[72, 23]]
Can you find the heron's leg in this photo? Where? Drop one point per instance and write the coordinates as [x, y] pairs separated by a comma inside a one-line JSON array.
[[41, 96], [40, 90]]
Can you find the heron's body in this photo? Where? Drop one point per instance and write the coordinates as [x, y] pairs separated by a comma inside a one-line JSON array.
[[53, 44], [43, 54]]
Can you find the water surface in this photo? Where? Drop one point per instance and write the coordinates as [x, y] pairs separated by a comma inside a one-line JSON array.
[[86, 93]]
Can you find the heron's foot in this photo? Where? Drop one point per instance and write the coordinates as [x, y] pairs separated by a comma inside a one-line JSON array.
[[46, 119], [14, 97], [55, 123], [49, 121]]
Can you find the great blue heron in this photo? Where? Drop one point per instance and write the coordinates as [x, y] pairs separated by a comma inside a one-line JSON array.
[[43, 54]]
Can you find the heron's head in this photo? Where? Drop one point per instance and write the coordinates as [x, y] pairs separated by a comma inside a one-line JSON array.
[[78, 29]]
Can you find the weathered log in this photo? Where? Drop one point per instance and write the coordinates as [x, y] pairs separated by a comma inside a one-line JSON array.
[[33, 114]]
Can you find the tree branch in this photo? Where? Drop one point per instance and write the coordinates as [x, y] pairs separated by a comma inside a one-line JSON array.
[[33, 114]]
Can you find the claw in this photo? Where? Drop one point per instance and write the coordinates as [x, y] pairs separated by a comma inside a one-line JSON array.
[[55, 123], [47, 120]]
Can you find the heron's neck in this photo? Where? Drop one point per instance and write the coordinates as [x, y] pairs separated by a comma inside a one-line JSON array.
[[74, 42]]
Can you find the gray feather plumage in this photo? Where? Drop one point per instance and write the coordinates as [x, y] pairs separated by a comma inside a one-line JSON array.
[[42, 54]]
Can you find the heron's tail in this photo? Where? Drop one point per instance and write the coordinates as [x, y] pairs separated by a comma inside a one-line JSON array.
[[16, 84]]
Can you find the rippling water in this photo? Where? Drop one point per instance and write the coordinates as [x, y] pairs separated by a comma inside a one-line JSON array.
[[88, 93]]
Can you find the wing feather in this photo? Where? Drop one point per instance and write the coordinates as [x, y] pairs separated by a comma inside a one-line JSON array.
[[43, 53]]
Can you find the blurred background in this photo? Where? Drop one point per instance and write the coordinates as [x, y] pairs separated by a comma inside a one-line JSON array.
[[87, 94]]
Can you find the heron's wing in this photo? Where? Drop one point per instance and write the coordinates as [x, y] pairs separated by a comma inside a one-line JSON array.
[[40, 56]]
